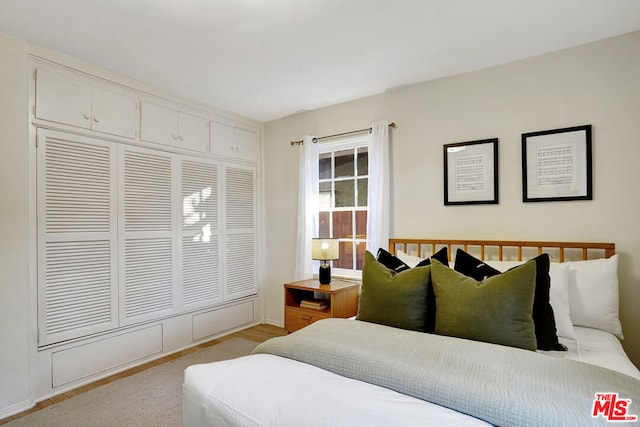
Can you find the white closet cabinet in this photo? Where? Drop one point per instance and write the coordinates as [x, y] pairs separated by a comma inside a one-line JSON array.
[[131, 234], [167, 126], [64, 99], [231, 140]]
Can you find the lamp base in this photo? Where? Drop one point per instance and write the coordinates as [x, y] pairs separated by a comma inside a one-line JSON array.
[[324, 275]]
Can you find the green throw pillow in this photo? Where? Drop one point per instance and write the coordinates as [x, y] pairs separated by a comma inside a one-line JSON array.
[[393, 299], [497, 310]]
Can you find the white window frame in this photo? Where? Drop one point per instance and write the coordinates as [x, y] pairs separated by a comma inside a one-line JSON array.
[[345, 143]]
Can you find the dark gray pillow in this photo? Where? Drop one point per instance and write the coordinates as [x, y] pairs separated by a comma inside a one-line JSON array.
[[473, 267], [396, 264]]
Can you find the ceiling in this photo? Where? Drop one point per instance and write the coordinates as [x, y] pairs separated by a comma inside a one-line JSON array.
[[266, 59]]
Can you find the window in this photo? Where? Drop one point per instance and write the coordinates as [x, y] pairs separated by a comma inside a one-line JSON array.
[[343, 177]]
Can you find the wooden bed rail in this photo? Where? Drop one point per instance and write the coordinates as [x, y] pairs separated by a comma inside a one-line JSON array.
[[586, 248]]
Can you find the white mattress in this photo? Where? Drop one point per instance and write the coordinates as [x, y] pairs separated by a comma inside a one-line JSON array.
[[267, 390]]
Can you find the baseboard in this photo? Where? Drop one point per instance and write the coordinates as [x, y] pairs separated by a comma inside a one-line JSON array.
[[278, 323], [16, 408]]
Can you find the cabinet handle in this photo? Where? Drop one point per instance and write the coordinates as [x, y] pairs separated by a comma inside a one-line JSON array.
[[86, 116], [305, 317], [174, 136], [95, 119], [180, 138]]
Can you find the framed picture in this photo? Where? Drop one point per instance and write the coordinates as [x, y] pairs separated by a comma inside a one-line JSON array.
[[557, 165], [471, 172]]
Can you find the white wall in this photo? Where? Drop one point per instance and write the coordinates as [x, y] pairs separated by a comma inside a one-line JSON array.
[[594, 84], [14, 225]]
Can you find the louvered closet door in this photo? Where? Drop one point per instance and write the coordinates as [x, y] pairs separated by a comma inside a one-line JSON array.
[[201, 234], [76, 198], [240, 231], [146, 245]]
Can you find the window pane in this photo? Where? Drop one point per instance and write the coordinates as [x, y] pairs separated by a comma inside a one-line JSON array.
[[324, 195], [346, 256], [345, 193], [324, 227], [344, 163], [361, 224], [360, 250], [325, 166], [363, 161], [363, 191], [343, 225]]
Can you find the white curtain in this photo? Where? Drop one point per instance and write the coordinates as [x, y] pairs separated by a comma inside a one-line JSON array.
[[307, 206], [379, 219]]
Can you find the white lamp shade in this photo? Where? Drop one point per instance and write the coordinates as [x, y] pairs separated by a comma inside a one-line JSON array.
[[325, 249]]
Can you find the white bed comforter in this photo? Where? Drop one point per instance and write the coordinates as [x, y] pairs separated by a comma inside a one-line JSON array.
[[267, 390]]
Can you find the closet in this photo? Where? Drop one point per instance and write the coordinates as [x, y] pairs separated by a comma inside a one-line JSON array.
[[147, 213]]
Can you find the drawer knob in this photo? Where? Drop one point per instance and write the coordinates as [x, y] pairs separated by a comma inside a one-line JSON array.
[[305, 317]]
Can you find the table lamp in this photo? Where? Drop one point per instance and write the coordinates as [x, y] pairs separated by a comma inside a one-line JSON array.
[[325, 250]]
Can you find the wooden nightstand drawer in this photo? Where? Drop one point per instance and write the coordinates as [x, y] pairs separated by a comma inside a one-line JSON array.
[[296, 318]]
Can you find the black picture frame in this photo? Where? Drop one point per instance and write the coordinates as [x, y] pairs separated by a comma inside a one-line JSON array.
[[471, 172], [557, 165]]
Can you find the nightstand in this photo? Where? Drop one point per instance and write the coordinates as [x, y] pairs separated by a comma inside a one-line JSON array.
[[341, 299]]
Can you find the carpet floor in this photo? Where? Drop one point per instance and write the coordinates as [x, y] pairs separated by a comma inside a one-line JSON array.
[[149, 398]]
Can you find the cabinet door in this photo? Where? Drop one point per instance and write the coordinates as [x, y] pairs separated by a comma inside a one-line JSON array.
[[222, 136], [159, 124], [247, 144], [62, 99], [201, 241], [146, 234], [114, 113], [193, 132]]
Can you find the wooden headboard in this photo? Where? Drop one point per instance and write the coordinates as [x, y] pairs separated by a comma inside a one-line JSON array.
[[504, 249]]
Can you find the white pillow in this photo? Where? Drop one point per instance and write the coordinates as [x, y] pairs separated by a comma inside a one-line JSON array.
[[593, 294], [559, 299], [558, 294], [410, 260]]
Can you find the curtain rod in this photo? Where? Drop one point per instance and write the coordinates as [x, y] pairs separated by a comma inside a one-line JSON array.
[[318, 138]]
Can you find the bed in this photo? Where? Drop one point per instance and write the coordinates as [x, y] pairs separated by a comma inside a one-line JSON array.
[[424, 355]]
